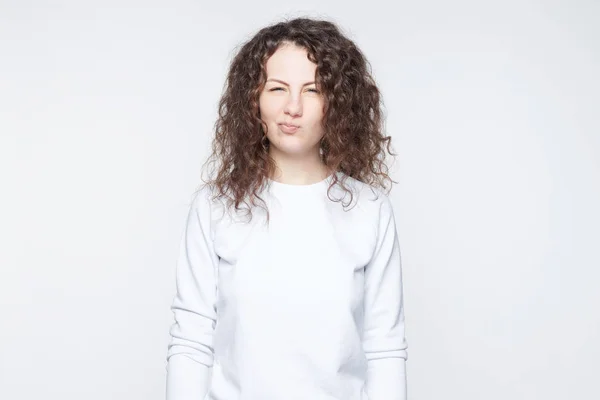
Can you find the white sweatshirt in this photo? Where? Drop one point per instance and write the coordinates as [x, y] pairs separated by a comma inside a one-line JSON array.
[[307, 308]]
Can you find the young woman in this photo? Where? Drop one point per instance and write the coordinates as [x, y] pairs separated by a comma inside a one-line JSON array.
[[289, 279]]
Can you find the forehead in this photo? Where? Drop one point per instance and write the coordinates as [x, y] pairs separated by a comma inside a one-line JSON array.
[[290, 62]]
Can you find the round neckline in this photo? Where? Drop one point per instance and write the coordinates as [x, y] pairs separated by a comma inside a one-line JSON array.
[[291, 186]]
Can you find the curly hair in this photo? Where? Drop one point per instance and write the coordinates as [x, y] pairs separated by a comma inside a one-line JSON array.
[[353, 143]]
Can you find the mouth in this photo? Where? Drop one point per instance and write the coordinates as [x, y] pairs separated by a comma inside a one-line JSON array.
[[288, 128]]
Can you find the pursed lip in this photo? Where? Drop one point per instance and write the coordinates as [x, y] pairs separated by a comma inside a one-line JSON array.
[[289, 125]]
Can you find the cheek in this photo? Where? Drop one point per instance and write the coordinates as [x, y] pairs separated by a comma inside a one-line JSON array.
[[316, 116], [268, 109]]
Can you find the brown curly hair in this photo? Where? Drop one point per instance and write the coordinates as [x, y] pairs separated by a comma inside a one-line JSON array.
[[353, 144]]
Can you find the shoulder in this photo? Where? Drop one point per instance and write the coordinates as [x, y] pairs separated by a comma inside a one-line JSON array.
[[202, 197], [367, 197], [206, 204]]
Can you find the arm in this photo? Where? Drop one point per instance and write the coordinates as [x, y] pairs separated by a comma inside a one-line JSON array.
[[384, 341], [190, 350]]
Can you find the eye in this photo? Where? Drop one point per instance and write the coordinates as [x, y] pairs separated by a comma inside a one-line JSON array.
[[313, 90], [275, 88]]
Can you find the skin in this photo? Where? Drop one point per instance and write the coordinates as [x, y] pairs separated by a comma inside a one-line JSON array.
[[291, 96]]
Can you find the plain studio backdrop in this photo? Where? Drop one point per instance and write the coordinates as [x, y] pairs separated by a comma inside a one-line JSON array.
[[106, 115]]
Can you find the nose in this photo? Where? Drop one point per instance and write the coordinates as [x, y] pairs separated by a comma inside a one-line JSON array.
[[293, 107]]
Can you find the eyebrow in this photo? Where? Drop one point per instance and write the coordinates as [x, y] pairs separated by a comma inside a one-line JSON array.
[[287, 84]]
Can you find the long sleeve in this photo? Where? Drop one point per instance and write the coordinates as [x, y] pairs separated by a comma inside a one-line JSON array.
[[190, 351], [384, 340]]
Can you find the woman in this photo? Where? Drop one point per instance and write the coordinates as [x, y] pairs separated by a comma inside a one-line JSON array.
[[288, 278]]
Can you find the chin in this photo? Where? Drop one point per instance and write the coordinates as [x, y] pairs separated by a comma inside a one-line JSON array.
[[293, 149], [294, 145]]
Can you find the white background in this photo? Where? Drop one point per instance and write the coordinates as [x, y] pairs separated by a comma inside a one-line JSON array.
[[106, 113]]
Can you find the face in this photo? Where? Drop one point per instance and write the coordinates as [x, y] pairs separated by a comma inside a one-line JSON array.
[[291, 105]]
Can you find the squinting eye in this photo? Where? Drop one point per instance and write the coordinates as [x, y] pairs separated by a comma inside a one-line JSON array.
[[275, 88], [313, 90]]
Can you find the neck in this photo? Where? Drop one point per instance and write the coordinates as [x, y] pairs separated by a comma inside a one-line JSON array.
[[300, 170]]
